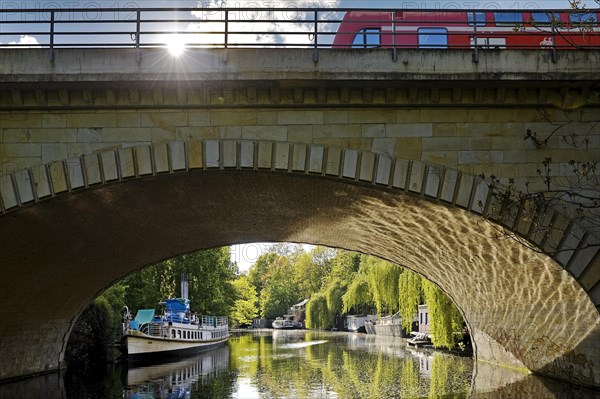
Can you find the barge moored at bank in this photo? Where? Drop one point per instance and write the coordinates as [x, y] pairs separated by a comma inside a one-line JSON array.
[[176, 331]]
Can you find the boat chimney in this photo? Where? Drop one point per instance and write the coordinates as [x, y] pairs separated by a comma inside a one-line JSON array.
[[184, 285]]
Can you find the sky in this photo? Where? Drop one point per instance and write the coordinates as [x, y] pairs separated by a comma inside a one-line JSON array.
[[246, 254]]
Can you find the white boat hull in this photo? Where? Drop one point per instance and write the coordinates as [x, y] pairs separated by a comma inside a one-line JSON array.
[[144, 346]]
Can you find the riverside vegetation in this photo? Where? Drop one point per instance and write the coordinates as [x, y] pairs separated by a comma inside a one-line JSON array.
[[336, 282]]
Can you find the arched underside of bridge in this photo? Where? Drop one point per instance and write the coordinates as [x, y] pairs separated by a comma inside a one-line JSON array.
[[522, 308]]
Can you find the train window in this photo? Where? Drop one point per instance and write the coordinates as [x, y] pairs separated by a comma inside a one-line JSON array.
[[479, 18], [544, 18], [367, 38], [433, 38], [508, 18], [584, 18]]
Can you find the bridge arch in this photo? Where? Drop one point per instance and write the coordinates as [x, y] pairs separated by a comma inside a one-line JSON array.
[[71, 229]]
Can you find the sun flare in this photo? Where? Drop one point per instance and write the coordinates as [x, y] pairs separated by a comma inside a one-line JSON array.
[[175, 44]]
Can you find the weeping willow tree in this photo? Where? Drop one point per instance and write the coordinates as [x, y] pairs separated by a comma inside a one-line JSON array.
[[334, 292], [325, 305], [410, 297], [383, 281], [358, 293], [445, 317], [317, 312]]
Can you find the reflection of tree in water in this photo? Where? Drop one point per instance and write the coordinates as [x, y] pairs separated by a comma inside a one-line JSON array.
[[410, 380], [305, 370], [447, 377]]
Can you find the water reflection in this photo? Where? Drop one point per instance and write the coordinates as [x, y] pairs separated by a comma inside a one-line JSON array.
[[328, 365], [301, 364]]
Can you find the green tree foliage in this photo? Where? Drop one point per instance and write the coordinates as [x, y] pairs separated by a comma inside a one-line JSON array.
[[211, 274], [445, 317], [383, 282], [358, 293], [317, 312], [280, 290], [410, 291], [259, 273], [343, 266], [333, 294], [324, 306], [308, 275], [244, 307]]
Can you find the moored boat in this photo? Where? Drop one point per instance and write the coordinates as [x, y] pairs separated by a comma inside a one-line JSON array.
[[293, 319], [176, 331], [356, 323], [284, 323], [386, 325]]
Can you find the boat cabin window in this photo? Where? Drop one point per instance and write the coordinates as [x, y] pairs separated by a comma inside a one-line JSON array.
[[479, 18], [367, 38], [582, 18], [508, 18], [433, 38], [178, 333], [172, 333]]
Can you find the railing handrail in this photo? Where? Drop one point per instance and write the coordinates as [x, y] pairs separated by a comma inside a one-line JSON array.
[[319, 24], [291, 9]]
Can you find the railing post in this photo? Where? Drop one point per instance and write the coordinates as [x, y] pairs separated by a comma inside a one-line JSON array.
[[475, 48], [138, 23], [316, 31], [226, 28], [51, 55], [553, 44], [394, 49]]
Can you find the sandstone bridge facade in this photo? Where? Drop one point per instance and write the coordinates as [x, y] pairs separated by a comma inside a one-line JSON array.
[[112, 162]]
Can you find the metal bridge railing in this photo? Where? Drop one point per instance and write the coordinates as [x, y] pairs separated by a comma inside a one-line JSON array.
[[314, 28]]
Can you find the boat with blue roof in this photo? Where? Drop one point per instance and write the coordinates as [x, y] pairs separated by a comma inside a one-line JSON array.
[[176, 331]]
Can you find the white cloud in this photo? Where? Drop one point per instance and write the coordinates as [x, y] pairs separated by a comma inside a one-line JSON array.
[[25, 41], [253, 27]]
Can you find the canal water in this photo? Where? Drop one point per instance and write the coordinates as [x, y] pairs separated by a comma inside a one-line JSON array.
[[301, 364]]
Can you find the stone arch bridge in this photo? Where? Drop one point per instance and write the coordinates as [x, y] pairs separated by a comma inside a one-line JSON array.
[[110, 164]]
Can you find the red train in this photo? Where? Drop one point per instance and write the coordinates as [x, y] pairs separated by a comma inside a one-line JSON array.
[[464, 29]]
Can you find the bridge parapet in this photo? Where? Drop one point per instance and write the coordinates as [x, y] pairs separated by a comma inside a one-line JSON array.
[[255, 77]]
